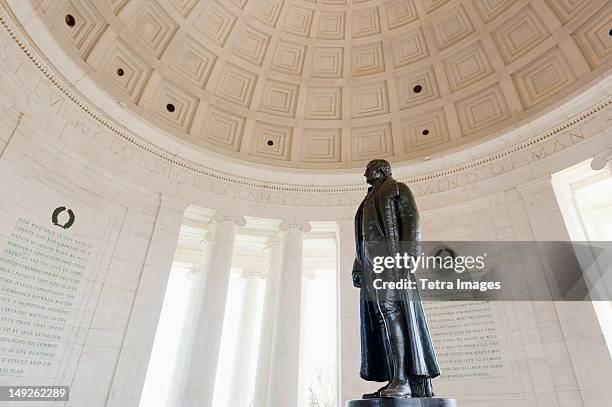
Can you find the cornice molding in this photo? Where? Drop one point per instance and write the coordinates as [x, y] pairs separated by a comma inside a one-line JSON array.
[[184, 170]]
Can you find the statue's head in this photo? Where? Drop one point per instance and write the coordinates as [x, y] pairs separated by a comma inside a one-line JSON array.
[[377, 169]]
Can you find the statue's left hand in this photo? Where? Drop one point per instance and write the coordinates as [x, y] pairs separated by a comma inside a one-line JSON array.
[[357, 278]]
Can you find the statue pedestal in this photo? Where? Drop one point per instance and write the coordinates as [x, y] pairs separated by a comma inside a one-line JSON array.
[[404, 402]]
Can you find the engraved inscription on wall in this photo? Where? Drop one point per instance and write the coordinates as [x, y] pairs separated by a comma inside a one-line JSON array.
[[466, 338], [42, 298]]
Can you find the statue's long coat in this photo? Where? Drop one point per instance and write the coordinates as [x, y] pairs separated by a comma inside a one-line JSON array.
[[398, 220]]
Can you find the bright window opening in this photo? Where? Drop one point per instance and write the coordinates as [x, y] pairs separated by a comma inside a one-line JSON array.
[[318, 375], [585, 199]]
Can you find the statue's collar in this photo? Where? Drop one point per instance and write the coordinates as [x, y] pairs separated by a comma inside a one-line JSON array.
[[377, 184]]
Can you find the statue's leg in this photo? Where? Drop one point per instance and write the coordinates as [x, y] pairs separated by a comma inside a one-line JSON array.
[[396, 337], [387, 355]]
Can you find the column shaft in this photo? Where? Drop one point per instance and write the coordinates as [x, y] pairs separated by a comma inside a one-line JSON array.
[[191, 322], [286, 343], [127, 388], [244, 362], [582, 335], [268, 323], [207, 343]]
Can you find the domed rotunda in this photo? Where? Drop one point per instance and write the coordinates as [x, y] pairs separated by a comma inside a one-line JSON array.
[[180, 180]]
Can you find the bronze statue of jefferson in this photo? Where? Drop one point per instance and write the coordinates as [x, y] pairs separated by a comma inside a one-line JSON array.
[[396, 345]]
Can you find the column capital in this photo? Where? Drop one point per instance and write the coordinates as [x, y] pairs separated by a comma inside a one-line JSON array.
[[172, 202], [603, 159], [251, 272], [225, 216], [194, 269], [274, 241], [535, 185], [287, 225], [208, 236]]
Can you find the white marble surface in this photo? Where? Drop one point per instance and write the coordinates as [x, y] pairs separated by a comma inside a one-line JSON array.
[[57, 152], [209, 327], [283, 388], [269, 322]]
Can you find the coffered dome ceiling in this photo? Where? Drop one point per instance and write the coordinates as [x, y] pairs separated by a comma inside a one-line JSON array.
[[333, 83]]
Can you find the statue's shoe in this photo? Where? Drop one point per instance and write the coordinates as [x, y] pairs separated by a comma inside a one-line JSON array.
[[397, 390], [376, 394]]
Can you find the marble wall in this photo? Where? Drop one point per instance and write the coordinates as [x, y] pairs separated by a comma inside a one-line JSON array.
[[118, 249], [57, 149]]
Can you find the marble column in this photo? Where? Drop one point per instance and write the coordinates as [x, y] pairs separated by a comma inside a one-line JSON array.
[[603, 161], [268, 322], [284, 367], [578, 341], [207, 342], [547, 224], [351, 385], [129, 377], [244, 362], [197, 273]]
